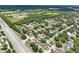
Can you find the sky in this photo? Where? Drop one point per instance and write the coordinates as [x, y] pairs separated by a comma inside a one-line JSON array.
[[39, 2]]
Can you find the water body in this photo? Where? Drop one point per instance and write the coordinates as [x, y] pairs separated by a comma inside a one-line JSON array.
[[51, 7]]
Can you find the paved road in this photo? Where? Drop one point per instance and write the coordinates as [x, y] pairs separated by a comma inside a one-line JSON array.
[[14, 39], [61, 31], [52, 38]]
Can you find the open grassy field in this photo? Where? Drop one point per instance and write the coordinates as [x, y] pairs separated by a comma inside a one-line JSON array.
[[50, 13], [7, 12], [13, 20]]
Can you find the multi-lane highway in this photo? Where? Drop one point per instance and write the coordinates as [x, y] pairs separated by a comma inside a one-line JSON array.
[[14, 39]]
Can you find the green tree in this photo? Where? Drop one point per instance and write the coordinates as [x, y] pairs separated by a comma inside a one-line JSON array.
[[58, 44], [32, 44], [35, 33], [43, 41], [4, 47], [52, 51], [10, 45], [23, 36], [56, 39], [63, 40], [13, 51], [2, 32], [40, 50], [8, 51], [35, 48], [76, 45], [24, 31]]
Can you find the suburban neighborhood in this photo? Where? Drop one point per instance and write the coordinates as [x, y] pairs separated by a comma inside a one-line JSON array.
[[39, 31]]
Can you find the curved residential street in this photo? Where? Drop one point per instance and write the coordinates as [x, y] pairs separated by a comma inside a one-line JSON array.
[[61, 31]]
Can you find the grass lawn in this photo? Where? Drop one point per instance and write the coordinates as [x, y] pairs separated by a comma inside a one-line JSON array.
[[7, 12], [49, 13], [13, 20]]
